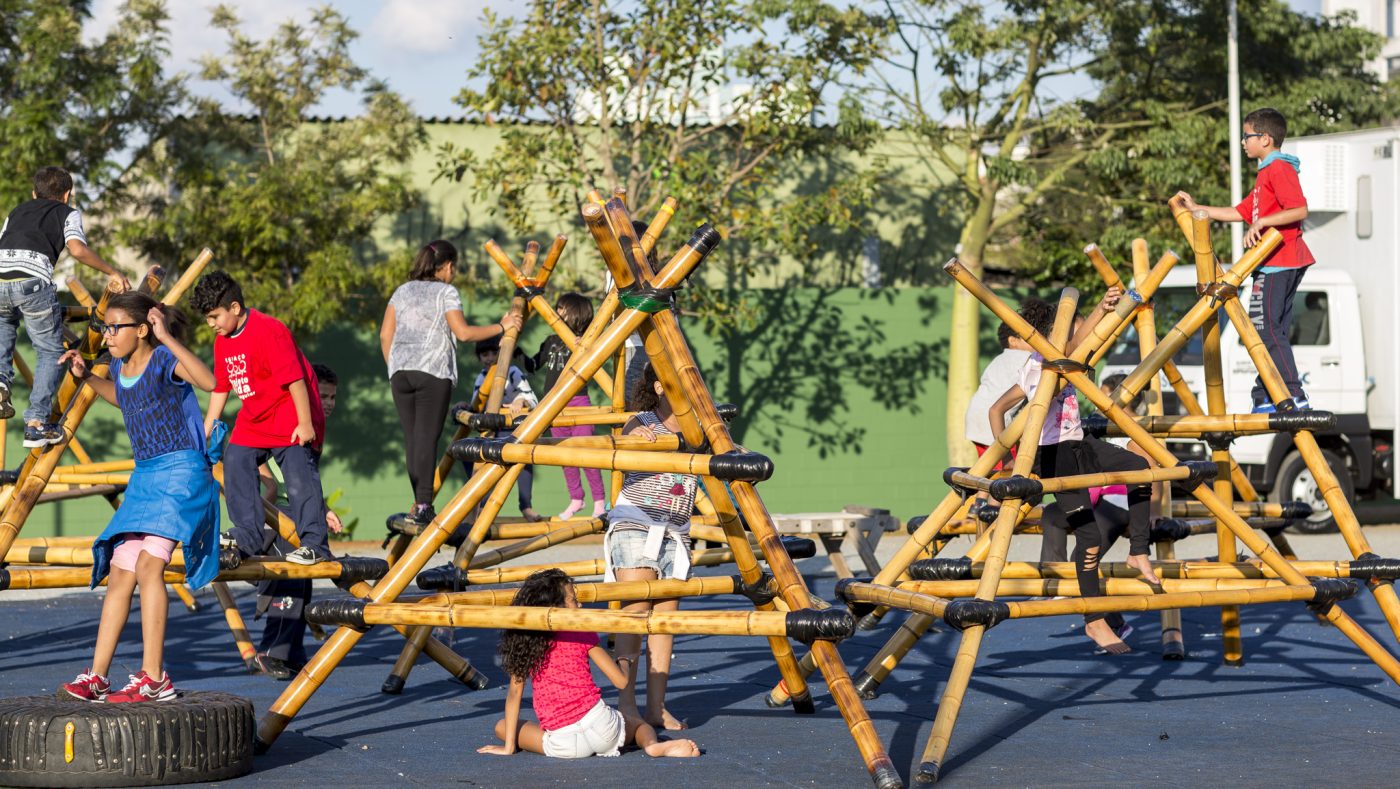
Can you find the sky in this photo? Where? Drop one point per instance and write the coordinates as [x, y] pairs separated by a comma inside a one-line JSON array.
[[422, 48]]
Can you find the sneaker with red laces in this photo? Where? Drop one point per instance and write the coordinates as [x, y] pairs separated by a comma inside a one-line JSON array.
[[87, 687], [143, 688]]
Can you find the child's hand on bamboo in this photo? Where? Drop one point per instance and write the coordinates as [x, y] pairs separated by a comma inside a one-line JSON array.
[[1111, 299]]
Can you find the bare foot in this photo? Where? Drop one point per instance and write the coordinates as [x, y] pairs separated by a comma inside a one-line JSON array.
[[676, 748], [1104, 636], [1143, 564], [668, 722]]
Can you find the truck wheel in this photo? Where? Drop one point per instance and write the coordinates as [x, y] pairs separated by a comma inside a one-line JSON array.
[[1296, 483], [196, 738]]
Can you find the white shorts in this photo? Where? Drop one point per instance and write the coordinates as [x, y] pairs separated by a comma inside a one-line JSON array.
[[600, 732]]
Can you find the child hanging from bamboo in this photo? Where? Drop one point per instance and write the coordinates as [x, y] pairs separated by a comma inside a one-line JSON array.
[[1065, 451], [575, 722]]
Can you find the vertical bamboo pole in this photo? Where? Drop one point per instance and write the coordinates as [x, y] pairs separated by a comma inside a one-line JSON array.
[[956, 688], [241, 638], [1232, 645]]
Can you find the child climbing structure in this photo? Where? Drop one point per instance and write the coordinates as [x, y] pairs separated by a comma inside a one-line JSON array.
[[785, 608], [931, 589]]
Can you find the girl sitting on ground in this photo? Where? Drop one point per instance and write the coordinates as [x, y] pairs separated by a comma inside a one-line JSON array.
[[575, 723]]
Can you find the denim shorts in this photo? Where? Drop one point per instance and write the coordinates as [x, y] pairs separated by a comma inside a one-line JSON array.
[[600, 732], [626, 549]]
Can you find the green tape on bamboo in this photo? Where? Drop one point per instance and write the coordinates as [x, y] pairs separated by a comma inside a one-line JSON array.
[[644, 302]]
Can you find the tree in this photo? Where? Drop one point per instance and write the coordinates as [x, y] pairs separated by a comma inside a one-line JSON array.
[[84, 106], [283, 199], [708, 101], [1038, 177]]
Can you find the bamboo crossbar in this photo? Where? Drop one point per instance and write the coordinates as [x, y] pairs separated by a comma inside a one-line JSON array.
[[1195, 425], [720, 623], [620, 460], [701, 586], [582, 568], [1069, 587], [1160, 602], [80, 576], [558, 536], [1084, 481], [1173, 569]]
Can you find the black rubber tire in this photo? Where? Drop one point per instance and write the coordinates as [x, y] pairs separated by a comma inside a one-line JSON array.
[[198, 737], [1294, 484]]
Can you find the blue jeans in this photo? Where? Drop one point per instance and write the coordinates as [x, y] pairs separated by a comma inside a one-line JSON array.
[[306, 505], [34, 301]]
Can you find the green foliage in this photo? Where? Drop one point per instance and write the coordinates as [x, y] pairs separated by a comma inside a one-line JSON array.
[[1164, 70], [285, 201], [348, 524], [78, 104], [712, 102]]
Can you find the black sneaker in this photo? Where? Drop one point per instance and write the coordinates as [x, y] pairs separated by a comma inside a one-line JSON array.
[[41, 435], [304, 556], [269, 666], [7, 409], [422, 514]]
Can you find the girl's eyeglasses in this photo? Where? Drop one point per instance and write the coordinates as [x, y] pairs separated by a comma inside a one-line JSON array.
[[113, 328]]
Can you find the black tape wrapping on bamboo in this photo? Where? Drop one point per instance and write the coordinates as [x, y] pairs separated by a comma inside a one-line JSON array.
[[941, 569], [1372, 567], [1014, 488], [1296, 510], [741, 466], [760, 592], [1169, 530], [948, 480], [830, 624], [354, 569], [1198, 473], [476, 421], [340, 612], [9, 476], [1331, 591], [962, 614], [727, 411], [477, 450], [858, 608], [915, 522], [4, 579], [528, 292], [1292, 422]]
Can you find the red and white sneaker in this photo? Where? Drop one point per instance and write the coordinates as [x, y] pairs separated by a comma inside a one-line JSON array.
[[143, 688], [88, 687]]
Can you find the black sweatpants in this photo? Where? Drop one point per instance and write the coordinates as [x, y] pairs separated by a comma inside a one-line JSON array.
[[243, 496], [422, 401], [282, 602], [1271, 312]]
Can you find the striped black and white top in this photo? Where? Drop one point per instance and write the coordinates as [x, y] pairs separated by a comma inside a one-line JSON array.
[[33, 236], [654, 499]]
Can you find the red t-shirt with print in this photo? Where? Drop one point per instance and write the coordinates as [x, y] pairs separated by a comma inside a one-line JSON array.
[[258, 363], [564, 690], [1276, 188]]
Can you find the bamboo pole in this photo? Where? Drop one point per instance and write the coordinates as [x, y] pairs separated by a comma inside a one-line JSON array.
[[1193, 426], [1176, 569], [621, 459], [1083, 481], [425, 544], [241, 637], [1069, 587], [956, 687], [773, 624], [1171, 600]]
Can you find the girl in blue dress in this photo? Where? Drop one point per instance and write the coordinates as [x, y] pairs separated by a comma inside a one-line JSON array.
[[171, 496]]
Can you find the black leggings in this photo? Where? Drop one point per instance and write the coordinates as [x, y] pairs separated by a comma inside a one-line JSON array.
[[422, 402], [1109, 523], [1091, 456]]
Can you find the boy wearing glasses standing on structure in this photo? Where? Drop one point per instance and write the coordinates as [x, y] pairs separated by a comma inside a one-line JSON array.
[[33, 237], [1275, 201]]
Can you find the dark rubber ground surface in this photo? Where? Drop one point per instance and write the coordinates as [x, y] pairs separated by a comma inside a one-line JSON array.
[[1307, 709]]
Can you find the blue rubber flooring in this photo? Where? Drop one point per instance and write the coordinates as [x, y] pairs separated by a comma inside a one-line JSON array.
[[1307, 708]]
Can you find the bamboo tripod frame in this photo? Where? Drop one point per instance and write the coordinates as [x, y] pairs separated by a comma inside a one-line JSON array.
[[642, 308], [889, 589]]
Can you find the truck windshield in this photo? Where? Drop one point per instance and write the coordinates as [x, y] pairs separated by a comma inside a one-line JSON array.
[[1169, 305]]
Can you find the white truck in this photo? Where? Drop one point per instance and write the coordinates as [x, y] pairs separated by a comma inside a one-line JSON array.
[[1345, 335]]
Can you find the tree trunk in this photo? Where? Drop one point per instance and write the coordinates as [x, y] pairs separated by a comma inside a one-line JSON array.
[[964, 369]]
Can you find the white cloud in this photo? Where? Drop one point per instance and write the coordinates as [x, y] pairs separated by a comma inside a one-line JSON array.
[[428, 27]]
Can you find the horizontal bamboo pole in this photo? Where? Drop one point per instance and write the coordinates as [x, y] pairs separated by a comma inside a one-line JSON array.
[[1193, 425], [1173, 569], [79, 576], [901, 597], [1161, 602], [719, 623], [595, 592], [103, 467], [709, 557], [619, 460], [60, 478], [1068, 587], [1083, 481], [53, 542], [66, 492], [571, 531], [661, 443]]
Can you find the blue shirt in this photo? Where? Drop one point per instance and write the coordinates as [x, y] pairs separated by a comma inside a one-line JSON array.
[[160, 410]]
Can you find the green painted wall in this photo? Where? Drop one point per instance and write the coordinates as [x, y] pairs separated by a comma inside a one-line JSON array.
[[843, 388]]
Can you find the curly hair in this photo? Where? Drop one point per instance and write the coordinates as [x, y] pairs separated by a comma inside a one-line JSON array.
[[1039, 313], [214, 290], [138, 305], [643, 396], [523, 651]]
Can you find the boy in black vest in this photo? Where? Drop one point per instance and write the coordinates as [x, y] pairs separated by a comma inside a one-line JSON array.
[[31, 240]]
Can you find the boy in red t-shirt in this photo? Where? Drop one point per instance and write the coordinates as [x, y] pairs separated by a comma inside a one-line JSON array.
[[1275, 201], [281, 418]]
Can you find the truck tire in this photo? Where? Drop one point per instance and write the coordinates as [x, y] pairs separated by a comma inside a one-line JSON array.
[[1295, 483], [196, 738]]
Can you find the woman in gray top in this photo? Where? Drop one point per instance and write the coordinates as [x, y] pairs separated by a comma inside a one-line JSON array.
[[422, 326]]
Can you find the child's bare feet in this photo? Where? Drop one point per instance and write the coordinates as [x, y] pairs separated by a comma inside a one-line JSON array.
[[1104, 636], [675, 748], [1143, 564], [668, 722]]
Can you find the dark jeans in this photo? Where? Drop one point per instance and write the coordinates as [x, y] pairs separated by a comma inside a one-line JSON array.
[[1271, 312], [1091, 456], [306, 503], [422, 401], [283, 601]]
